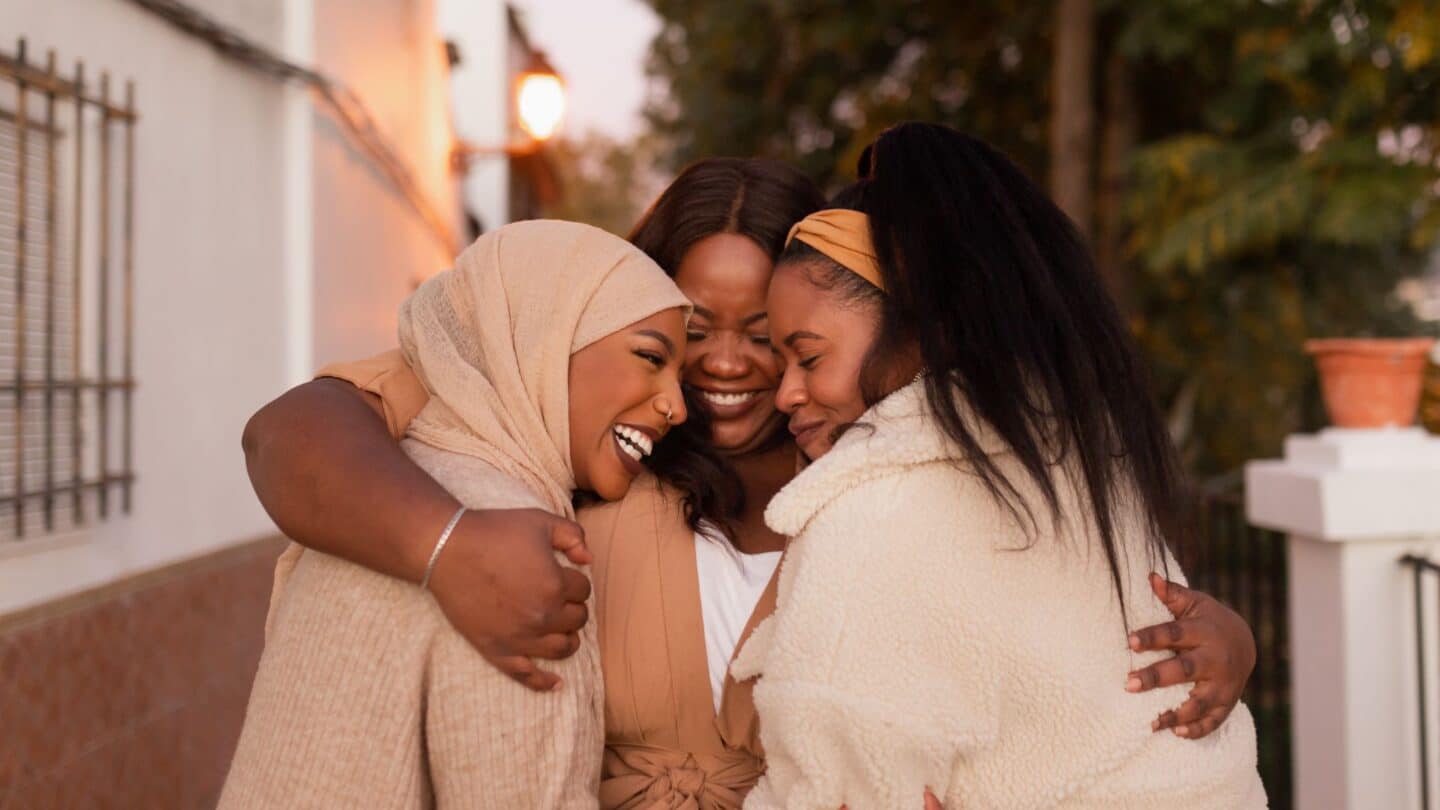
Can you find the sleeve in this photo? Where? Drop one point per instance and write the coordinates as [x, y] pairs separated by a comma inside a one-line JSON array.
[[874, 678], [388, 377]]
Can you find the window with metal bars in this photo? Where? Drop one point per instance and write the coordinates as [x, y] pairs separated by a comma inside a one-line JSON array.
[[66, 305]]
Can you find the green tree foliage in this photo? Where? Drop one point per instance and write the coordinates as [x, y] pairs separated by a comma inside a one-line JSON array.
[[1283, 176], [1297, 194]]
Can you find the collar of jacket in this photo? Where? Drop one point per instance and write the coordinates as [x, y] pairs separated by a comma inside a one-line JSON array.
[[894, 434]]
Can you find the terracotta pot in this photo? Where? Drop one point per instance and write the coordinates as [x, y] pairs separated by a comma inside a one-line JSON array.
[[1370, 383]]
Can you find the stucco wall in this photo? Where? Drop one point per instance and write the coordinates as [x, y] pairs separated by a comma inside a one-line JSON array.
[[241, 190], [371, 249]]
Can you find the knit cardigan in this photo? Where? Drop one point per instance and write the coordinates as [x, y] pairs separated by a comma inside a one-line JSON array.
[[366, 697], [922, 638]]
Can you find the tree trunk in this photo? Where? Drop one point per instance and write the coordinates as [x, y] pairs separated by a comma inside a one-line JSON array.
[[1072, 112], [1118, 137]]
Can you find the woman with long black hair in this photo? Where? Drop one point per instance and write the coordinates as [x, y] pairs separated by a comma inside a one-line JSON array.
[[991, 483]]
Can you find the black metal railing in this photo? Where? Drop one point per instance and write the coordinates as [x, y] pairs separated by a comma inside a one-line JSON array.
[[1246, 568], [1421, 567]]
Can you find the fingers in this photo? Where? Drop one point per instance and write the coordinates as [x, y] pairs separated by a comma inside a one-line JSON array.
[[1212, 720], [1177, 598], [524, 671], [554, 646], [567, 536], [1167, 636], [1183, 668], [569, 619], [574, 586]]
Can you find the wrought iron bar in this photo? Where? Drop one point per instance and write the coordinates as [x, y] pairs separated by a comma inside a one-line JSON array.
[[22, 209], [1421, 565], [128, 344], [102, 300], [77, 287], [97, 484], [51, 238]]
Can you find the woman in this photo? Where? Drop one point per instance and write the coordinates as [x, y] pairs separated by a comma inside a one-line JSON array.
[[986, 458], [552, 352], [664, 633]]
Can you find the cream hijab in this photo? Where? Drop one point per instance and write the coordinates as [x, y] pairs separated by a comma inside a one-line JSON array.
[[492, 338]]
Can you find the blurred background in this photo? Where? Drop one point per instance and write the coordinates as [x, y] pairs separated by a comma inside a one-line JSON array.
[[203, 201]]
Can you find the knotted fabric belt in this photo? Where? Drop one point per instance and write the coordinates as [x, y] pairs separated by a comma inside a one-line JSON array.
[[644, 777]]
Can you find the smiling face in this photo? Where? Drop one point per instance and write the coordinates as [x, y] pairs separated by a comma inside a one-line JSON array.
[[621, 388], [729, 361], [823, 340]]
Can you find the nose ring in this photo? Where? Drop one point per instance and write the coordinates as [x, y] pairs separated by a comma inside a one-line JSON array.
[[669, 413]]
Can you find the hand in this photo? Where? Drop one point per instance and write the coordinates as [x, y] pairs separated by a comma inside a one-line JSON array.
[[498, 583], [1215, 650]]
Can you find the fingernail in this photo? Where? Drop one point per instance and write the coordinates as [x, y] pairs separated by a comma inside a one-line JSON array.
[[1154, 725], [1134, 641], [1182, 731], [556, 687], [1132, 685]]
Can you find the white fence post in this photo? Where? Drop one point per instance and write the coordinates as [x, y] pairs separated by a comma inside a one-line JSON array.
[[1353, 502]]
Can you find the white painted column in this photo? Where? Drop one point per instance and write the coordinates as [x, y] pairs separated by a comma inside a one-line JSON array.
[[298, 233], [1353, 503]]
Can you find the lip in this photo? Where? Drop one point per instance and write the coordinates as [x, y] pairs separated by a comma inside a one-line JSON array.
[[631, 465], [805, 431], [727, 412], [653, 434]]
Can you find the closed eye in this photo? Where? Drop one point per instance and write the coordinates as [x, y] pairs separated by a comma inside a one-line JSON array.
[[808, 363], [653, 358]]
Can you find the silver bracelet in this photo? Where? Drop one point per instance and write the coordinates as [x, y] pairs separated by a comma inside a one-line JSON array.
[[440, 544]]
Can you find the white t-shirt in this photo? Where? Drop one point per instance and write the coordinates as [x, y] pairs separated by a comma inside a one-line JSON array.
[[731, 584]]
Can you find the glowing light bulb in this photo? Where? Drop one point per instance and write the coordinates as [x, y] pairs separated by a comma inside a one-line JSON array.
[[540, 101]]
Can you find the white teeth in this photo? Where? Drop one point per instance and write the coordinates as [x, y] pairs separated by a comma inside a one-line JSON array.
[[636, 444], [728, 399]]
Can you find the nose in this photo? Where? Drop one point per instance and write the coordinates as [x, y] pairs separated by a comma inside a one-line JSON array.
[[725, 359], [670, 403], [792, 393]]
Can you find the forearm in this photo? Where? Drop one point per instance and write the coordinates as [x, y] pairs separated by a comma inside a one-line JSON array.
[[331, 477]]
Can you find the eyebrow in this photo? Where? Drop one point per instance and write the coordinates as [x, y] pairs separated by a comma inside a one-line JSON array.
[[794, 337], [660, 336], [746, 321]]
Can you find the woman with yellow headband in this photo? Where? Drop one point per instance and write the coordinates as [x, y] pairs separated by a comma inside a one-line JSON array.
[[672, 602], [990, 484]]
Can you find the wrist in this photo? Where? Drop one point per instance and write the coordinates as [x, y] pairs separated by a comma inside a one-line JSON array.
[[415, 543]]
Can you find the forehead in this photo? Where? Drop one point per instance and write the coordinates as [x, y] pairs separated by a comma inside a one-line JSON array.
[[795, 301], [725, 273]]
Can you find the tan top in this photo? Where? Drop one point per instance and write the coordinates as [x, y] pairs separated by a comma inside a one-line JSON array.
[[664, 744]]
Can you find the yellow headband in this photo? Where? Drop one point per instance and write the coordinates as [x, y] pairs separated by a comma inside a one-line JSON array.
[[842, 235]]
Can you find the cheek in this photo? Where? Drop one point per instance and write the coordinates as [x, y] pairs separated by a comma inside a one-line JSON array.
[[768, 364]]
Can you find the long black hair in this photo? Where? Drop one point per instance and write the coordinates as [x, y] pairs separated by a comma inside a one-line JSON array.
[[993, 286], [755, 198]]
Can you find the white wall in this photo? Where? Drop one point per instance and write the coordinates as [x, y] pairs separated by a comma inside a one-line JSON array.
[[226, 179], [371, 249], [481, 96]]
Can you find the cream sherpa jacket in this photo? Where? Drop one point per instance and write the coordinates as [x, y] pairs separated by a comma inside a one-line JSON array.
[[922, 639]]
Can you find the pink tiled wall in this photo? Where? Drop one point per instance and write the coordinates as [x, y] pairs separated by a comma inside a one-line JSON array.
[[133, 698]]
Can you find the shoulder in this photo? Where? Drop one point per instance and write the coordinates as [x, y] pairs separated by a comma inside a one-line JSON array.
[[650, 507]]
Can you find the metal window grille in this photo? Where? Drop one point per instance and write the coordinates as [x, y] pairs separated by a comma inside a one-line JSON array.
[[67, 159]]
